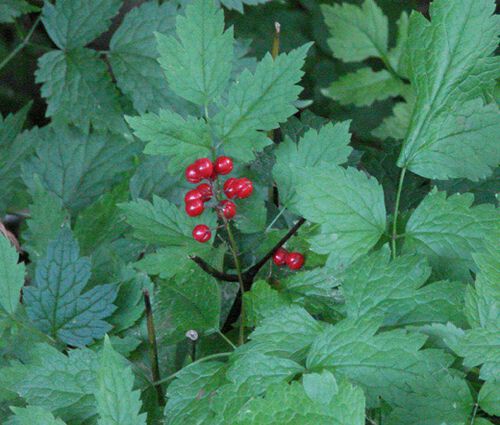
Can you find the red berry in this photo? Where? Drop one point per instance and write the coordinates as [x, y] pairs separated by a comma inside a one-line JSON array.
[[294, 260], [193, 195], [206, 191], [230, 187], [194, 208], [223, 165], [192, 175], [279, 257], [228, 209], [202, 233], [204, 167], [244, 188]]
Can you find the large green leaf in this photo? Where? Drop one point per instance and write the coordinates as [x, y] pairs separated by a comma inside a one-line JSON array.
[[348, 205], [117, 403], [198, 63], [452, 133], [259, 101], [55, 301], [33, 415], [11, 276], [448, 231], [75, 23]]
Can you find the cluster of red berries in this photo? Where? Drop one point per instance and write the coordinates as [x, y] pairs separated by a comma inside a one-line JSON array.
[[294, 260], [204, 169]]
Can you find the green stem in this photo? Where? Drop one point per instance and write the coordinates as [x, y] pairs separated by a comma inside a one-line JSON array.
[[275, 219], [203, 359], [22, 44], [396, 212], [474, 413], [225, 338], [233, 247]]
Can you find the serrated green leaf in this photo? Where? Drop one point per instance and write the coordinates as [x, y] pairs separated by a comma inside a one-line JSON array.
[[189, 302], [396, 125], [238, 4], [33, 415], [350, 208], [169, 134], [12, 9], [451, 133], [55, 301], [357, 32], [398, 55], [448, 231], [327, 146], [78, 89], [11, 276], [133, 56], [262, 301], [290, 404], [117, 403], [198, 63], [489, 397], [320, 386], [73, 23], [259, 101], [363, 87], [78, 168]]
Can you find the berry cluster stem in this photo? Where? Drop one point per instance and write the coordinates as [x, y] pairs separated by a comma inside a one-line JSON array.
[[396, 212], [234, 251]]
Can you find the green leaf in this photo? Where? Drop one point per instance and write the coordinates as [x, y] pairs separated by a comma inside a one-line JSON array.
[[238, 4], [350, 208], [187, 302], [396, 125], [55, 301], [62, 384], [452, 133], [78, 89], [12, 9], [327, 146], [262, 301], [198, 63], [398, 56], [133, 56], [169, 134], [73, 23], [363, 87], [78, 168], [259, 101], [117, 403], [33, 415], [11, 276], [357, 33], [448, 231], [320, 386], [489, 398], [46, 218], [290, 404]]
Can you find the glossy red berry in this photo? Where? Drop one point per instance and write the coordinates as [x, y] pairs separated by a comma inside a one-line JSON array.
[[228, 209], [223, 165], [204, 168], [206, 191], [194, 208], [192, 175], [202, 233], [244, 188], [279, 257], [193, 195], [294, 260], [230, 187]]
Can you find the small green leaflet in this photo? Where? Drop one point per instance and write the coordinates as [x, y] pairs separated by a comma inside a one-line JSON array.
[[167, 133], [363, 87], [73, 23], [348, 205], [262, 301], [11, 276], [133, 56], [79, 90], [452, 134], [117, 403], [198, 63], [396, 125], [327, 146], [448, 231], [55, 301], [320, 386], [33, 415], [258, 102], [357, 33], [238, 4], [12, 9], [78, 167], [489, 397]]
